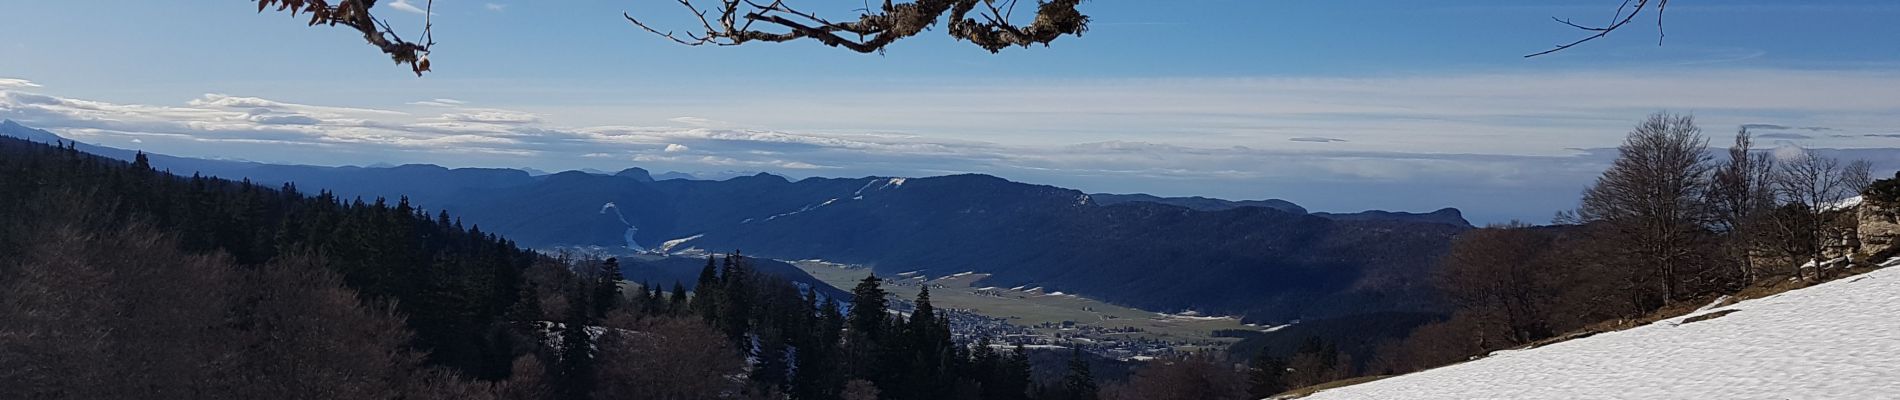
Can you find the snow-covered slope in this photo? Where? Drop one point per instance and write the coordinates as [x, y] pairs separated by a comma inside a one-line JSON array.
[[1838, 340]]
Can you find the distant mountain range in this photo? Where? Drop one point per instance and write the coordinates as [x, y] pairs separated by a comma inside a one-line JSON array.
[[1269, 260], [1448, 216]]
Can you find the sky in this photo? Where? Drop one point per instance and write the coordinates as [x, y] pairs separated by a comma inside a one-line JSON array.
[[1346, 105]]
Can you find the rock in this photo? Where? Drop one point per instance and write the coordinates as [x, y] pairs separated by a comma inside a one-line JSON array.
[[1879, 229]]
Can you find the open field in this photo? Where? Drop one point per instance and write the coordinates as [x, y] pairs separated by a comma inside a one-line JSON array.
[[1051, 314]]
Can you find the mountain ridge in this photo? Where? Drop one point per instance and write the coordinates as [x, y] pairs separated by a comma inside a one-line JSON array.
[[1264, 259]]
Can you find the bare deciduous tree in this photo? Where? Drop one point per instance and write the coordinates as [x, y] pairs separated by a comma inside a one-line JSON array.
[[1501, 277], [1818, 186], [989, 24], [356, 14], [665, 358], [1740, 196], [1625, 13], [732, 23], [1652, 197], [1191, 377]]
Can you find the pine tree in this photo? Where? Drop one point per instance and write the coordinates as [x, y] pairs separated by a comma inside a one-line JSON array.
[[770, 366], [820, 373], [869, 308], [1266, 375], [929, 344], [577, 357], [677, 304], [736, 300], [607, 295], [924, 315], [527, 305], [1016, 375], [867, 343], [141, 165], [1080, 383], [986, 367], [706, 293], [655, 299]]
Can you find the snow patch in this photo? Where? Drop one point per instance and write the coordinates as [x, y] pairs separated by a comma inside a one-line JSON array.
[[800, 210], [1834, 340], [1889, 263], [668, 246], [1846, 203]]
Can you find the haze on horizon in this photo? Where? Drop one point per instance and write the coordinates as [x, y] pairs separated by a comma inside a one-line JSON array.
[[1413, 105]]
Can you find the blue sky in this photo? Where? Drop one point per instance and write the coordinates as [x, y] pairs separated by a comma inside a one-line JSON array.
[[1337, 105]]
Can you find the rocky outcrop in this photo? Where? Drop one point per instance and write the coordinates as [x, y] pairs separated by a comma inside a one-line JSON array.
[[1878, 226]]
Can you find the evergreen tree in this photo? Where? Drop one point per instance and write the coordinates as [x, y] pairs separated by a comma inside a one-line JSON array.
[[819, 375], [1080, 383], [577, 356], [527, 307], [141, 165], [655, 300], [986, 367], [736, 300], [1266, 375], [772, 368], [869, 310], [929, 348], [868, 347], [677, 304], [1016, 375], [607, 295], [706, 293]]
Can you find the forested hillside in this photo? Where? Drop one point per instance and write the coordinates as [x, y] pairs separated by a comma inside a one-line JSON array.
[[120, 281], [453, 282]]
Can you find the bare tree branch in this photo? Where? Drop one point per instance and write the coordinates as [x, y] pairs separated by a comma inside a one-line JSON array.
[[875, 29], [356, 14], [1624, 14]]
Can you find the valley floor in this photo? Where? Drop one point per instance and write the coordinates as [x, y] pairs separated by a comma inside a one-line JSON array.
[[1837, 340], [1053, 318]]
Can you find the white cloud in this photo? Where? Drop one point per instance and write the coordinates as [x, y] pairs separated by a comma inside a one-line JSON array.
[[404, 5], [493, 117], [285, 119], [697, 121], [1315, 139], [16, 83], [497, 7], [1789, 152], [728, 162], [1486, 136], [439, 103]]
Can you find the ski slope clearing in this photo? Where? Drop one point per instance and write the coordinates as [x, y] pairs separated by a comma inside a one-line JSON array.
[[1837, 340]]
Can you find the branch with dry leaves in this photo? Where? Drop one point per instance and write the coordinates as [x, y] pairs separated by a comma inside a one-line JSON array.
[[355, 14], [731, 23], [1625, 13]]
